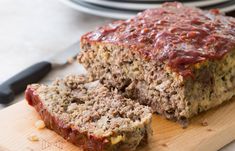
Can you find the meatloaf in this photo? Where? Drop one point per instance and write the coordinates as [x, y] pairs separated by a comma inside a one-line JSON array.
[[90, 115], [176, 59]]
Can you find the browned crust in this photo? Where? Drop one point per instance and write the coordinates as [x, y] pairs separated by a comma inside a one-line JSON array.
[[69, 132]]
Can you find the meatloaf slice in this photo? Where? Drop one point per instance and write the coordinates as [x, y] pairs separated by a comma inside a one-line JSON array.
[[177, 59], [89, 115]]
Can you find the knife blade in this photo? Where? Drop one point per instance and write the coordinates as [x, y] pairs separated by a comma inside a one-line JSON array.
[[34, 73]]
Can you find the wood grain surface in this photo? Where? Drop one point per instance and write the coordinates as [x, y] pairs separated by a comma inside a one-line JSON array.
[[34, 29], [17, 125]]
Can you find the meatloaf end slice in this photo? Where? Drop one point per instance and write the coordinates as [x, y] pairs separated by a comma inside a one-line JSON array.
[[89, 115], [177, 59]]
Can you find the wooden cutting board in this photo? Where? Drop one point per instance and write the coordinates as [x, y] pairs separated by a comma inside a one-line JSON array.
[[17, 124]]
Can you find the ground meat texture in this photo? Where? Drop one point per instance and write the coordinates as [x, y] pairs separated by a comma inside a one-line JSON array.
[[177, 85], [90, 115], [175, 34]]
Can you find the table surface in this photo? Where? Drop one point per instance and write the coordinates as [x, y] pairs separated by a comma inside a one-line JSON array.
[[31, 30]]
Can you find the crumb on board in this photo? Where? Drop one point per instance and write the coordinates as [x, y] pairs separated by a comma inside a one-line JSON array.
[[70, 60], [204, 122], [33, 138], [39, 124]]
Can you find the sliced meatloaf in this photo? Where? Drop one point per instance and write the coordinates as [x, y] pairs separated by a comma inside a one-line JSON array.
[[90, 115], [179, 60]]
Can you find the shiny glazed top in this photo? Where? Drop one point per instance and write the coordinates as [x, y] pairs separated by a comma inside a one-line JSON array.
[[175, 34]]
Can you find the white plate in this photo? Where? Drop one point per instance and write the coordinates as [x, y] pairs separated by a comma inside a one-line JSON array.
[[99, 11], [141, 6], [123, 14], [154, 0]]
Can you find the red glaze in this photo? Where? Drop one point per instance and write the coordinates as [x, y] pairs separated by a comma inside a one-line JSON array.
[[69, 132], [178, 35]]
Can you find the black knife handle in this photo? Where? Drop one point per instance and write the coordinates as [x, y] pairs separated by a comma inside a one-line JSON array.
[[19, 82]]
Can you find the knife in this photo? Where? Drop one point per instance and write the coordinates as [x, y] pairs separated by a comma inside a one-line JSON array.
[[34, 73]]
